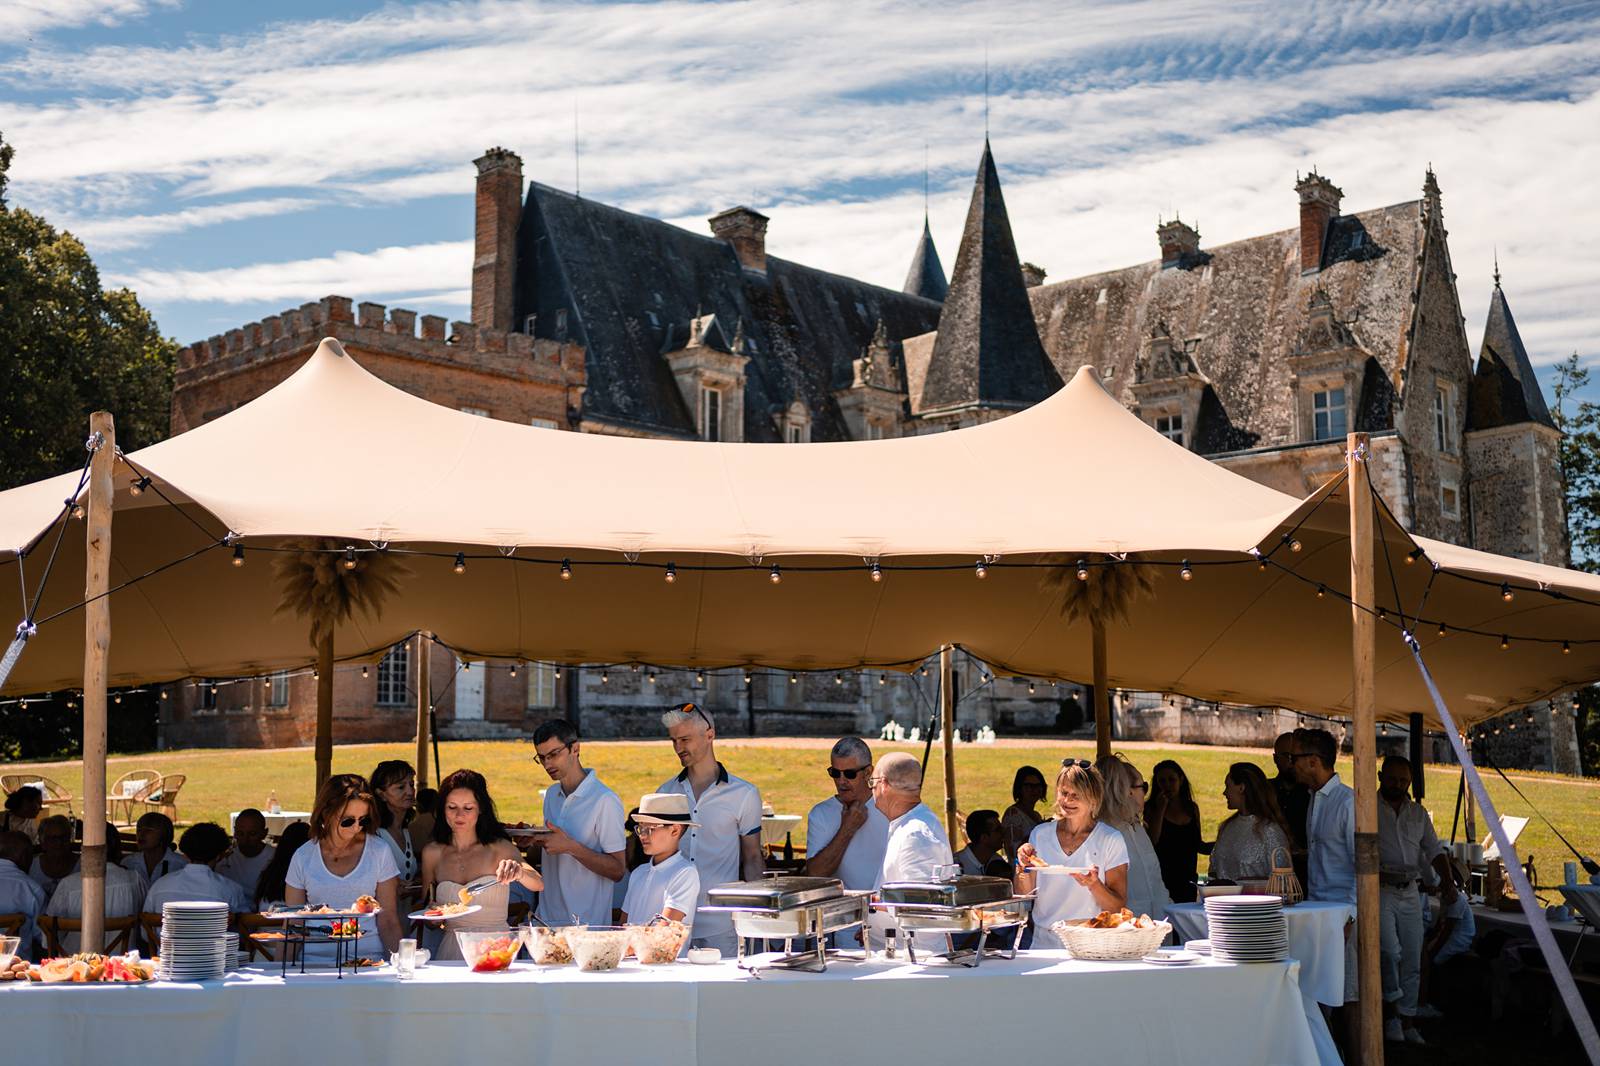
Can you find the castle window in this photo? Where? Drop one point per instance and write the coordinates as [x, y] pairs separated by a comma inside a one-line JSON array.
[[478, 411], [393, 674], [208, 694], [541, 685], [1444, 417], [279, 695], [874, 431], [710, 414], [1449, 499], [1171, 427], [529, 323], [543, 423], [778, 689], [1328, 421]]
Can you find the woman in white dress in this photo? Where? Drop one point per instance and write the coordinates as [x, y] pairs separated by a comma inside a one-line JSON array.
[[1123, 810], [344, 861], [468, 843], [1096, 853], [1247, 840]]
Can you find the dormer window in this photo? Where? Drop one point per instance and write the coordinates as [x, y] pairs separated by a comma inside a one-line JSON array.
[[1328, 418], [796, 424], [710, 414]]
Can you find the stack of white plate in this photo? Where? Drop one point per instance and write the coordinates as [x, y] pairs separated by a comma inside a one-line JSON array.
[[194, 941], [1247, 928], [234, 955]]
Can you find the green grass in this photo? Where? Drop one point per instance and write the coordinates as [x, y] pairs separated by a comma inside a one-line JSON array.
[[790, 776]]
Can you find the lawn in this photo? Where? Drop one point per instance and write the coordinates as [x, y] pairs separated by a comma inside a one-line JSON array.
[[790, 776]]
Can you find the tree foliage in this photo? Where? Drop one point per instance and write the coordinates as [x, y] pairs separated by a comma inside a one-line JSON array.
[[1579, 423], [67, 348]]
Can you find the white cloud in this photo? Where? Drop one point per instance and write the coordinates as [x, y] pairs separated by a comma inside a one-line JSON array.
[[114, 233], [20, 18]]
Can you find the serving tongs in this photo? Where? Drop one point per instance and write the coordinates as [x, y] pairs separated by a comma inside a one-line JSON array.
[[479, 885]]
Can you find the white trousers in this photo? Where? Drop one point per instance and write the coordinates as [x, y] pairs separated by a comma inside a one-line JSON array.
[[1400, 939]]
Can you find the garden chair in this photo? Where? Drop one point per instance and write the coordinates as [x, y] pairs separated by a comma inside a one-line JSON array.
[[55, 928], [11, 925], [132, 787], [55, 795], [150, 932], [249, 926], [164, 797]]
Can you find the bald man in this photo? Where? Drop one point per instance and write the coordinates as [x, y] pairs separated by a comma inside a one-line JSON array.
[[917, 842]]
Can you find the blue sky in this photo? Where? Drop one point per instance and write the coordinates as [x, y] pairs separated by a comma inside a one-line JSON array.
[[228, 160]]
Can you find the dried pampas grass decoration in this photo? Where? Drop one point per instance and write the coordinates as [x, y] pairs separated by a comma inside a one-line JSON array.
[[317, 586], [1113, 585]]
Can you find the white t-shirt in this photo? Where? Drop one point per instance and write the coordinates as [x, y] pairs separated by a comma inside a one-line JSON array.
[[592, 816], [307, 871], [21, 894], [863, 856], [246, 872], [916, 846], [727, 812], [124, 894], [1060, 897], [1462, 933], [135, 865], [671, 884], [403, 849], [197, 882]]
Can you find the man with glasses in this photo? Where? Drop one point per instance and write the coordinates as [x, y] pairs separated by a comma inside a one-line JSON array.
[[725, 842], [846, 834], [585, 841]]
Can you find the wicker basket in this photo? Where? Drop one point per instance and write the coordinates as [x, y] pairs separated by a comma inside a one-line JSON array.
[[1110, 945]]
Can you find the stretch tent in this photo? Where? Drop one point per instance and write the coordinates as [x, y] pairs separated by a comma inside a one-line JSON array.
[[333, 452]]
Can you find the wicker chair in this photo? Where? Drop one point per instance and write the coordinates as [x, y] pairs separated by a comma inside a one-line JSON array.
[[164, 796], [54, 794], [55, 928], [11, 925], [249, 926], [150, 932], [121, 795]]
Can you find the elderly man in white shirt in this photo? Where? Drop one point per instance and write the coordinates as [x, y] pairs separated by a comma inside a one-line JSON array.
[[917, 844], [1407, 846], [123, 894], [726, 846], [586, 849], [203, 845], [846, 834], [19, 893]]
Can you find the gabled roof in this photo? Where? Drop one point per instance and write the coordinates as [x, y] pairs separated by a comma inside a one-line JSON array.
[[926, 278], [1505, 389], [622, 281], [987, 352]]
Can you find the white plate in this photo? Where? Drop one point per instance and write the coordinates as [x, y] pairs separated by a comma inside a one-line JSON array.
[[1173, 958], [323, 916], [424, 916]]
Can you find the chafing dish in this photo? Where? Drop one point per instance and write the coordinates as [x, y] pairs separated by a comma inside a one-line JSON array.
[[955, 905], [787, 909]]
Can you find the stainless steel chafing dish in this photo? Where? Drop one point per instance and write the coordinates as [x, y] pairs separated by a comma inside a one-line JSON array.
[[953, 905], [790, 908]]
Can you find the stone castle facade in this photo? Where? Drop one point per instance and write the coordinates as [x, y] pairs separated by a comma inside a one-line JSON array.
[[1260, 354]]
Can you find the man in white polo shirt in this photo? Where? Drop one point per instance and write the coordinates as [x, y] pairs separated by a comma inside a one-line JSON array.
[[846, 834], [917, 844], [584, 851], [726, 845]]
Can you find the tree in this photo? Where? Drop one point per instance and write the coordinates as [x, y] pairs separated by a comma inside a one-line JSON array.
[[69, 347], [1579, 458]]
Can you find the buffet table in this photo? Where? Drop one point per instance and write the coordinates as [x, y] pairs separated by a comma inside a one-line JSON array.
[[888, 1011]]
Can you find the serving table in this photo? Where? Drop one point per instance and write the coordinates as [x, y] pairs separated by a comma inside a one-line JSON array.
[[1039, 1003]]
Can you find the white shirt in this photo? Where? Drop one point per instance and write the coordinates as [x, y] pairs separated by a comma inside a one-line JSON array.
[[246, 872], [727, 812], [1407, 843], [307, 871], [917, 845], [592, 816], [655, 887], [1060, 898], [197, 882], [135, 865], [44, 880], [402, 849], [124, 895], [1331, 843], [1147, 892], [21, 894], [862, 861], [1462, 933]]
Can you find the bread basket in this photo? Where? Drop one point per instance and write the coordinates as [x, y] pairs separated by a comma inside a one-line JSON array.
[[1110, 945]]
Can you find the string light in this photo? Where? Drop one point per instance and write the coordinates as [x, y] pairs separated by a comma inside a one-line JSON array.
[[164, 694], [213, 690], [699, 677], [651, 677], [604, 677], [1030, 688], [633, 668], [924, 671], [363, 670], [1382, 613], [883, 679], [876, 572], [1566, 648], [1321, 591], [513, 669], [350, 557], [238, 555], [566, 570], [266, 683], [1505, 643], [776, 575], [1294, 545], [1083, 571], [460, 565], [794, 679], [747, 677], [838, 679], [138, 487], [1186, 573], [672, 573], [1443, 629], [1506, 593], [558, 673], [980, 570], [117, 698], [1413, 555]]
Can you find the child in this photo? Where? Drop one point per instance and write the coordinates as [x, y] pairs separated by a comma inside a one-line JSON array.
[[668, 884]]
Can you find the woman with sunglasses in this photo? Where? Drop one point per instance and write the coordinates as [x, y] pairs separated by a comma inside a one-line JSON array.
[[1123, 808], [468, 843], [343, 861], [1096, 856]]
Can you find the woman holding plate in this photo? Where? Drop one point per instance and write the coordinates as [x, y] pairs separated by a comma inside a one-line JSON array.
[[469, 843], [344, 861], [1095, 855]]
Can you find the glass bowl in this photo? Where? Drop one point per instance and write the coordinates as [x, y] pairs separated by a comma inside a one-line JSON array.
[[658, 944], [489, 951], [599, 947], [548, 947]]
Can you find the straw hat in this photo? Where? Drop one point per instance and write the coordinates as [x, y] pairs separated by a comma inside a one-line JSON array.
[[665, 808]]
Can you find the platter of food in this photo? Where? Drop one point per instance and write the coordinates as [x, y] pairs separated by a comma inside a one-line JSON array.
[[87, 969], [362, 907], [525, 833], [443, 912]]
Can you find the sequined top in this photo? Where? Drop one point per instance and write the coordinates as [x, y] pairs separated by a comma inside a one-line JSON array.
[[1243, 854]]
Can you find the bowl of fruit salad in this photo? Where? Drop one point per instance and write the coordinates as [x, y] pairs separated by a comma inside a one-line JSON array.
[[488, 952]]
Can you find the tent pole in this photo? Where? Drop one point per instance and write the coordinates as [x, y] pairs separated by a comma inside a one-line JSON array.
[[1102, 695], [1363, 633], [324, 750], [1419, 784], [424, 697], [947, 718], [96, 651]]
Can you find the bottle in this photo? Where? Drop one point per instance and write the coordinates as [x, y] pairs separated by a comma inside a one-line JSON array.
[[272, 802], [788, 847]]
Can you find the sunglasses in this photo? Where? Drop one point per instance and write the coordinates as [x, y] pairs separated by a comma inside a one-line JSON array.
[[1082, 764], [365, 821], [694, 708], [644, 829], [849, 775], [1142, 786]]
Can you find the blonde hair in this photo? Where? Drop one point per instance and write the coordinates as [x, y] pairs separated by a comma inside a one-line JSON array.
[[1086, 782], [1118, 804]]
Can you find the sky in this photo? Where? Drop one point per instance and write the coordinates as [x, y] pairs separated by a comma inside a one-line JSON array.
[[228, 161]]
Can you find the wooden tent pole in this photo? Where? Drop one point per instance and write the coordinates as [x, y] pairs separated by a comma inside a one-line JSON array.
[[96, 651], [424, 698], [1364, 777], [1102, 695], [947, 718], [324, 749]]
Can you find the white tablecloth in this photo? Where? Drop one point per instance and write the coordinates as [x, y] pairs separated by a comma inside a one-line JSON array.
[[276, 823], [775, 827], [889, 1012], [1316, 939]]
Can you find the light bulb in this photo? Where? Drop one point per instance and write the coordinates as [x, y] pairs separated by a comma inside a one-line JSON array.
[[238, 555], [513, 669], [350, 557], [1186, 573], [1566, 648], [776, 575], [883, 679], [460, 565], [566, 570], [981, 570], [699, 677], [1504, 643], [1083, 571], [877, 572], [1321, 592], [1294, 545], [118, 698], [138, 487], [604, 677], [1030, 688], [672, 573], [1506, 593], [838, 679], [363, 671], [794, 679]]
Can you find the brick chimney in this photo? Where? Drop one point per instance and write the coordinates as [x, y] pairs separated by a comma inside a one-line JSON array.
[[746, 230], [1319, 206], [1179, 242], [494, 262], [1033, 275]]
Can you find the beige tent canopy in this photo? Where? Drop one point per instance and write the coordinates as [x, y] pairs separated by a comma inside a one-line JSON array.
[[334, 452]]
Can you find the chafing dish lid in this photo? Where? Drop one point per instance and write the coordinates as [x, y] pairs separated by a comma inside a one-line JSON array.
[[775, 893], [964, 891]]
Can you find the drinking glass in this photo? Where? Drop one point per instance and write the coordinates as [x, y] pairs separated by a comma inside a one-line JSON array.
[[405, 959]]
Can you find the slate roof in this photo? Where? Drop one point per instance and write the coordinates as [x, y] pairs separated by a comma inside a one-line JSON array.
[[926, 277], [987, 351], [1505, 389], [628, 283]]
